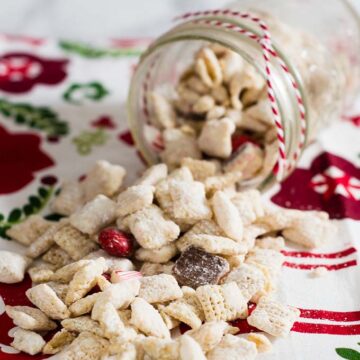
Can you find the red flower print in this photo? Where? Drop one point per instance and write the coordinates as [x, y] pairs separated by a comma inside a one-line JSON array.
[[104, 122], [127, 138], [14, 294], [20, 72], [331, 184], [20, 158], [29, 40], [335, 181]]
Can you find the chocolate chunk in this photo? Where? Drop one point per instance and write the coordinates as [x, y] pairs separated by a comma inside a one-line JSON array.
[[195, 267]]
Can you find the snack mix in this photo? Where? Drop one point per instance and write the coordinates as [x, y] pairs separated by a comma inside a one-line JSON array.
[[124, 267], [218, 110]]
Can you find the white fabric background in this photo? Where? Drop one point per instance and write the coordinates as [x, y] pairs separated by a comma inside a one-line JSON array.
[[84, 19]]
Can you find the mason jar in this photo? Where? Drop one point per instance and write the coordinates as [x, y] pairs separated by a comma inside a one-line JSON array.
[[316, 42]]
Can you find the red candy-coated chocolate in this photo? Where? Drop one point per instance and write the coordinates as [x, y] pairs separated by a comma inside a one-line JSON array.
[[240, 139], [116, 242]]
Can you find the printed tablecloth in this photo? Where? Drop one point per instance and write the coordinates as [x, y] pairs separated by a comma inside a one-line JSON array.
[[62, 106]]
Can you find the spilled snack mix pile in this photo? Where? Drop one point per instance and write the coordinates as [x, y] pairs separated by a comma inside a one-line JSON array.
[[220, 110], [117, 275]]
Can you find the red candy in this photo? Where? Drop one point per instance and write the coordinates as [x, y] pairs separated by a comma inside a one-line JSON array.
[[116, 243], [239, 139]]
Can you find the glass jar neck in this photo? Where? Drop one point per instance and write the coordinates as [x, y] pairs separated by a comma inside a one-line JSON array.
[[251, 52]]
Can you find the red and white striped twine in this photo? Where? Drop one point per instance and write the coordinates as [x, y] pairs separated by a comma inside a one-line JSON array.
[[283, 164]]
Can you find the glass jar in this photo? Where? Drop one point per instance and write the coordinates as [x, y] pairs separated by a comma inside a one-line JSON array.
[[318, 42]]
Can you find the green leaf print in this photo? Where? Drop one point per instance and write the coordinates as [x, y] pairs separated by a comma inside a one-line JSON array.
[[94, 91], [34, 205], [41, 118], [349, 354], [35, 201], [43, 192], [14, 216], [92, 52], [87, 139], [28, 209], [54, 217]]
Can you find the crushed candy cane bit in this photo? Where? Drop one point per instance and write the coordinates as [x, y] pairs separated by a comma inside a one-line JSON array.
[[118, 276]]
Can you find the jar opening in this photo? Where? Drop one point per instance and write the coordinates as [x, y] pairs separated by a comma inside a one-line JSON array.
[[165, 63]]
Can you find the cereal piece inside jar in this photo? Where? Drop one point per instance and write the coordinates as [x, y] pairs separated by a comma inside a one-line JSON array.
[[217, 110]]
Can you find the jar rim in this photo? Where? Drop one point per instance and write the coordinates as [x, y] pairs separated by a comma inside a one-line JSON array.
[[355, 14]]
